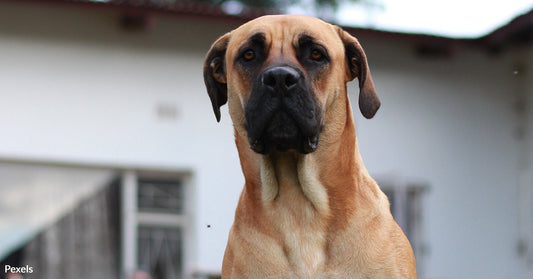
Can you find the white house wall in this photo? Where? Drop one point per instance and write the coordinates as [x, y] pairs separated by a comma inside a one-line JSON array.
[[74, 87], [526, 189], [451, 123]]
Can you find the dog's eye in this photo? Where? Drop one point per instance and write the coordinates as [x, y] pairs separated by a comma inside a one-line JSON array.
[[248, 55], [317, 55]]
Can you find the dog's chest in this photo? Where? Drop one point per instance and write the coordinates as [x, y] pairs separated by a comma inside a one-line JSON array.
[[302, 234], [296, 206]]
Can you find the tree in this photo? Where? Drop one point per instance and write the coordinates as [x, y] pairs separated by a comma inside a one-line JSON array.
[[325, 9], [281, 4]]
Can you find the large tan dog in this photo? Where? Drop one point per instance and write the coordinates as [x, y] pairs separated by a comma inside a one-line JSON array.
[[309, 208]]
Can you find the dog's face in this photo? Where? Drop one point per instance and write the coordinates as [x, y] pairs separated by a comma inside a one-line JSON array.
[[280, 75]]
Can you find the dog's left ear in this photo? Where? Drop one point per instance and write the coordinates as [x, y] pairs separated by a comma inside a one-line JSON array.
[[357, 66], [215, 74]]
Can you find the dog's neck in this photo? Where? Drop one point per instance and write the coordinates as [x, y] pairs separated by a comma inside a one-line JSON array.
[[277, 174], [293, 174]]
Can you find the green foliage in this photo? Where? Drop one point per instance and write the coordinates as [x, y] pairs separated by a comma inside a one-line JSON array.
[[280, 4], [317, 5], [334, 4]]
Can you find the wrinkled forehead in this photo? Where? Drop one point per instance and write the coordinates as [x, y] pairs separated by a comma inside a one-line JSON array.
[[285, 31]]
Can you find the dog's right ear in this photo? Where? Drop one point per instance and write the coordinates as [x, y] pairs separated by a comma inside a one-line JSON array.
[[215, 74]]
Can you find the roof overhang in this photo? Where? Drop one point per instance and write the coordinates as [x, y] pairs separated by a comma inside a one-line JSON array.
[[518, 31]]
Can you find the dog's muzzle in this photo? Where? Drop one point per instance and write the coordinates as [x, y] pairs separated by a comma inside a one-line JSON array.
[[282, 113]]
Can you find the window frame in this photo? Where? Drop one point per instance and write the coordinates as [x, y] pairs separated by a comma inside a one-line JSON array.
[[133, 217], [401, 208]]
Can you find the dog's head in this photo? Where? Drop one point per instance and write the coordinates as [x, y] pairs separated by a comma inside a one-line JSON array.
[[280, 75]]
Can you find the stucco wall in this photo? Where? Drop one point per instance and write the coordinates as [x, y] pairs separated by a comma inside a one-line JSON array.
[[452, 123], [77, 88]]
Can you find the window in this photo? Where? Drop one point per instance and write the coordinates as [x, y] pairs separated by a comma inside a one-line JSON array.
[[155, 225], [160, 251], [160, 195], [406, 202]]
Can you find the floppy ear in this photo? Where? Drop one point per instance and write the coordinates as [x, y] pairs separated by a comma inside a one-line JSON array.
[[357, 66], [215, 74]]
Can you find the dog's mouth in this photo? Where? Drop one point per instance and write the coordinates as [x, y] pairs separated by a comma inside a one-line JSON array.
[[282, 133], [283, 117]]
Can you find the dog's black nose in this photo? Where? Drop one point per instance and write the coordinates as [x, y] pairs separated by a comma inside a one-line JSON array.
[[280, 78]]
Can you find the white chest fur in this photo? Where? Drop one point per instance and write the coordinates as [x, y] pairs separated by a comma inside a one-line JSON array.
[[296, 203]]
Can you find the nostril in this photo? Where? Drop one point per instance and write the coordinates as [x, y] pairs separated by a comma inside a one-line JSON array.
[[269, 79], [290, 80]]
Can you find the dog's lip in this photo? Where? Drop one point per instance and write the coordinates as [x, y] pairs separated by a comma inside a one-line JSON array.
[[266, 111], [311, 144], [308, 146], [308, 143]]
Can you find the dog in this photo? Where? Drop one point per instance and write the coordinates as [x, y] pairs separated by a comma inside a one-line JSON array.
[[309, 208]]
